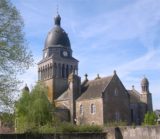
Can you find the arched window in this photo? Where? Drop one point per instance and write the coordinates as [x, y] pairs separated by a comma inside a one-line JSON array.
[[43, 72], [63, 71], [55, 70], [81, 109], [116, 92], [59, 70], [93, 108], [39, 74], [71, 69], [48, 71], [67, 71]]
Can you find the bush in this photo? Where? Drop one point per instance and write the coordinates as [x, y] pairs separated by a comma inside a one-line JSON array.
[[47, 129], [150, 118], [70, 128]]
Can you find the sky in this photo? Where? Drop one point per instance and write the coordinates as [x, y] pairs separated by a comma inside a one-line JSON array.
[[105, 35]]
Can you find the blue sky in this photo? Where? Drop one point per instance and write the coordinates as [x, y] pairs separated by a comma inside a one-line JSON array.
[[105, 35]]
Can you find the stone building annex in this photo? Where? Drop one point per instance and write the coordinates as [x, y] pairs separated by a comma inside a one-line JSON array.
[[98, 101]]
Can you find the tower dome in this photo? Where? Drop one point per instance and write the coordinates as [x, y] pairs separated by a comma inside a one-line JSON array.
[[144, 82], [57, 35], [26, 88], [145, 85]]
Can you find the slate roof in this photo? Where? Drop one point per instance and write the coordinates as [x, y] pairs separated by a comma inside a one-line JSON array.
[[64, 96], [134, 96], [94, 88], [57, 36]]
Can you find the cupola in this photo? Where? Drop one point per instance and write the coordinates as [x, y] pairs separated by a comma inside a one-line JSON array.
[[57, 37]]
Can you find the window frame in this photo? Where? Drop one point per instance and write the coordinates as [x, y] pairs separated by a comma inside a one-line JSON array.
[[93, 108], [81, 111], [115, 92]]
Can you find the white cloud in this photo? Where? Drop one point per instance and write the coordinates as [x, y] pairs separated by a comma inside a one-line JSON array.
[[148, 61], [134, 20]]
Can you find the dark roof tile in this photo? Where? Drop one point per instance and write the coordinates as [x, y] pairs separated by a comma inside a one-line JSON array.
[[134, 96], [94, 88]]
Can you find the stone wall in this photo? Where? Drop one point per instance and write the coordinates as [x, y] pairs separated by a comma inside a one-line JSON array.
[[87, 117], [116, 102], [150, 132], [54, 136], [147, 132]]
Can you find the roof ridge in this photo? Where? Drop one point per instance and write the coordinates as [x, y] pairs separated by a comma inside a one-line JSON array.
[[94, 88], [108, 83], [102, 78]]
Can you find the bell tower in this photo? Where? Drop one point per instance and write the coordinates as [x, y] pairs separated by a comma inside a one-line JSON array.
[[57, 62], [146, 96]]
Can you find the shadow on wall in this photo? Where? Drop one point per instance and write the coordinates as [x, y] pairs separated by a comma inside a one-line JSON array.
[[118, 134]]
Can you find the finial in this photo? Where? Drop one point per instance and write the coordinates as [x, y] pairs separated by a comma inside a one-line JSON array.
[[86, 76], [114, 72], [132, 87], [26, 88], [98, 77], [57, 9], [57, 20]]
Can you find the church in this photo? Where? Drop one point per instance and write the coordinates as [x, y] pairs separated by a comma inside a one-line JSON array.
[[99, 101]]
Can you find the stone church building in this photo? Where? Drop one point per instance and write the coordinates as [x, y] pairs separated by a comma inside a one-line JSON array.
[[98, 101]]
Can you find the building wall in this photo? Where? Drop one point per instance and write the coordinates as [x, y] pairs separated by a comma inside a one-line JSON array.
[[47, 78], [116, 104], [63, 110], [62, 114], [87, 117], [142, 111], [60, 85], [135, 113], [62, 104], [146, 98], [49, 84]]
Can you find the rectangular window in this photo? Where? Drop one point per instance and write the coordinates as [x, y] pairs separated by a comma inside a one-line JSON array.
[[117, 116], [93, 108]]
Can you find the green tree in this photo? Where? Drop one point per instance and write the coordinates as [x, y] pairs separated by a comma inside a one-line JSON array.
[[150, 118], [33, 110], [14, 54], [7, 119]]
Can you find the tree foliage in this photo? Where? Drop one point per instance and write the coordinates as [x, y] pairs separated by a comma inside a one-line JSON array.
[[14, 54], [7, 119], [33, 110], [150, 118]]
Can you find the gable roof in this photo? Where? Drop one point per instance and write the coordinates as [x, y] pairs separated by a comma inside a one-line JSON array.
[[134, 96], [94, 88]]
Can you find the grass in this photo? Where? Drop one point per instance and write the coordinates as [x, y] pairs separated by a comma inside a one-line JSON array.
[[115, 123]]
